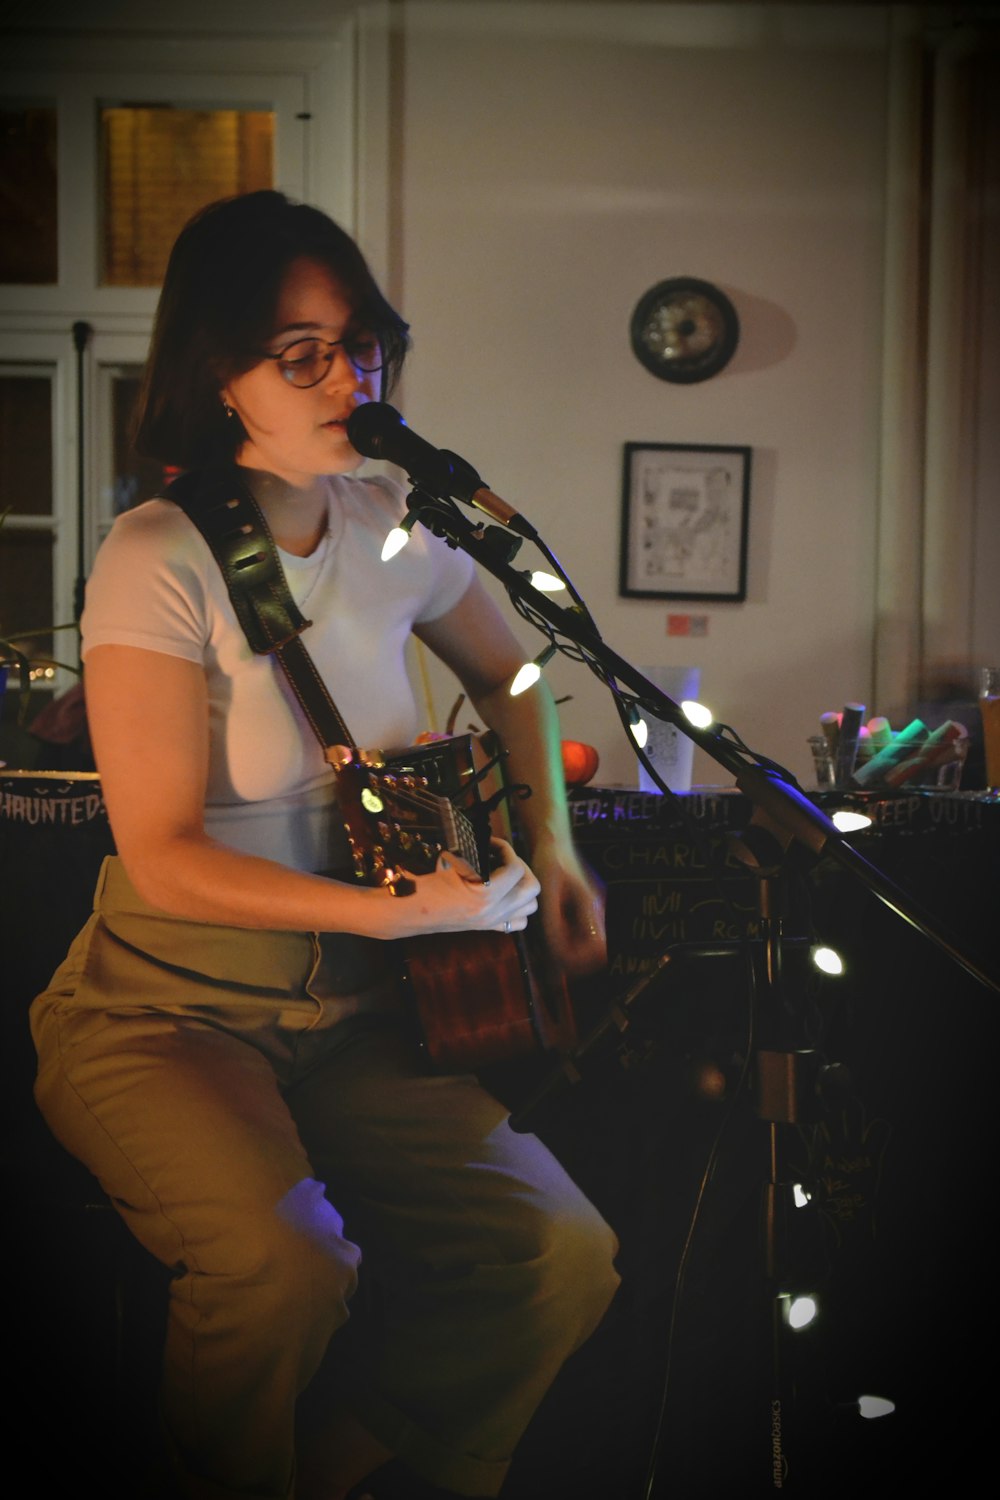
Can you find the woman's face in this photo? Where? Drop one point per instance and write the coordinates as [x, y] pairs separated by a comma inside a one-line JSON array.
[[294, 432]]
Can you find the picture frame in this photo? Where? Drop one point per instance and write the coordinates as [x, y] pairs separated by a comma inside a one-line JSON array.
[[685, 521]]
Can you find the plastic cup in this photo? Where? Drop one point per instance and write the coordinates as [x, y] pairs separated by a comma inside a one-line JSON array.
[[668, 748], [989, 708], [822, 762]]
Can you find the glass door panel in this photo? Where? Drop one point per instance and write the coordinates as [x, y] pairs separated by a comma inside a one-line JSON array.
[[27, 530], [125, 478], [28, 195], [159, 165]]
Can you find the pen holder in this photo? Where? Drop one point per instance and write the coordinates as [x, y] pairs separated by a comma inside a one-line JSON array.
[[938, 769]]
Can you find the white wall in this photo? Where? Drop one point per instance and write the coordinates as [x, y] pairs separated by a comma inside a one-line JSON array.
[[559, 160], [525, 170]]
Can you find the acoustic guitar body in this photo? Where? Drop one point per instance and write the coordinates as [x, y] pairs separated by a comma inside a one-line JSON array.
[[477, 998]]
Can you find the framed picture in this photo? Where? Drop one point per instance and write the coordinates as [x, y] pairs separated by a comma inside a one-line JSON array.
[[685, 511]]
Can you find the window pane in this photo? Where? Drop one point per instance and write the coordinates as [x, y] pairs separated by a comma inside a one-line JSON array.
[[26, 490], [160, 165], [26, 588], [28, 196], [135, 479], [26, 444]]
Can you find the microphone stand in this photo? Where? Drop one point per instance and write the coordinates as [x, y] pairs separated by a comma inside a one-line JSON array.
[[794, 1084], [781, 807]]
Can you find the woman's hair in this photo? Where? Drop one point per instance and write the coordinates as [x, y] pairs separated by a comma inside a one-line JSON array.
[[216, 313]]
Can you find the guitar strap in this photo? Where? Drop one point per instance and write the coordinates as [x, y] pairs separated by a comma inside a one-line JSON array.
[[219, 502], [222, 507]]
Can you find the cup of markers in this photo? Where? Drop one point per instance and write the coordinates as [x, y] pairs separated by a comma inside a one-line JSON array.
[[851, 754]]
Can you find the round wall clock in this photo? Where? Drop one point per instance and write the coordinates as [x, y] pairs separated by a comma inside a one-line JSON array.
[[684, 330]]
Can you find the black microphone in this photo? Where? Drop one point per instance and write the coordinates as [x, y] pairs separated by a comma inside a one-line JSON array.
[[376, 430]]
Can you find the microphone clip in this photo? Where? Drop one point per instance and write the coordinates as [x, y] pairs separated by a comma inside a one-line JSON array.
[[442, 516], [497, 539]]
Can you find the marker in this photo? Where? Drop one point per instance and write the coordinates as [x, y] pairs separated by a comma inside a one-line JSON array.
[[880, 731], [903, 745], [847, 744], [935, 750], [830, 725]]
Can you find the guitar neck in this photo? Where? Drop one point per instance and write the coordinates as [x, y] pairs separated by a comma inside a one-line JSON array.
[[403, 808]]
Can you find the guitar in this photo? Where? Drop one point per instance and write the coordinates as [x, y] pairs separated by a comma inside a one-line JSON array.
[[478, 997]]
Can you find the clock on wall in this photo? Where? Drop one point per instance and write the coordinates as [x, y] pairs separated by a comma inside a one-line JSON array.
[[684, 330]]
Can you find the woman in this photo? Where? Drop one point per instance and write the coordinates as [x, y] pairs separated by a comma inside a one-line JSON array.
[[223, 1046]]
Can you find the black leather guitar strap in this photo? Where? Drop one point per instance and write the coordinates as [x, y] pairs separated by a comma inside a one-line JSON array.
[[220, 504]]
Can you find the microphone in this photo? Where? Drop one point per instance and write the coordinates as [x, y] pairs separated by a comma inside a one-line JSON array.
[[376, 430]]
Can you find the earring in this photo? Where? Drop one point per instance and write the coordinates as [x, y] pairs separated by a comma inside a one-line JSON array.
[[226, 407]]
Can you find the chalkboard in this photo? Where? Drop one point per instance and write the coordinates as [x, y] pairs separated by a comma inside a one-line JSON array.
[[54, 833]]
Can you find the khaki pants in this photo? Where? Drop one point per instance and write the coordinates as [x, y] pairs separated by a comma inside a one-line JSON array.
[[225, 1103]]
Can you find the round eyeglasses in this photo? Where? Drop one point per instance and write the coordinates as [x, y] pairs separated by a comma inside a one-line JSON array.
[[306, 362]]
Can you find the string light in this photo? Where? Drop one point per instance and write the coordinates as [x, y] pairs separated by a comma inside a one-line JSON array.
[[868, 1406], [801, 1311], [531, 671], [696, 713], [846, 820], [546, 583], [875, 1406], [828, 960], [398, 537], [638, 726]]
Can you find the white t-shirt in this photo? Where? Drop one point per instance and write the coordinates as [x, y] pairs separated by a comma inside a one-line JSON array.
[[155, 584]]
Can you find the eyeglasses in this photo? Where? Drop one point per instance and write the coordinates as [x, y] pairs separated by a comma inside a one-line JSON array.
[[306, 362]]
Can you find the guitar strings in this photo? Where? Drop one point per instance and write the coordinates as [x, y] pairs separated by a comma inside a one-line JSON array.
[[446, 815]]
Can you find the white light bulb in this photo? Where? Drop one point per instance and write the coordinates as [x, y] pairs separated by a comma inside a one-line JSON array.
[[696, 713], [526, 678], [546, 583], [394, 542], [848, 821], [875, 1406], [828, 960], [802, 1312], [640, 732]]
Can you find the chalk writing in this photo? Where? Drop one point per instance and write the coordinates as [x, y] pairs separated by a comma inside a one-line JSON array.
[[83, 808], [645, 929], [594, 811], [657, 903]]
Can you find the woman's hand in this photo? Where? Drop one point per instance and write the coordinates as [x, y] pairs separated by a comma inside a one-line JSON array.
[[572, 910], [453, 898]]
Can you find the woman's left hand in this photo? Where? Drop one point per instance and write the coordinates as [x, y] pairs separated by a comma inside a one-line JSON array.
[[572, 910]]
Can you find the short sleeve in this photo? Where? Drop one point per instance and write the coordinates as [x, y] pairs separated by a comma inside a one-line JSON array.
[[444, 572], [148, 585], [452, 574]]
